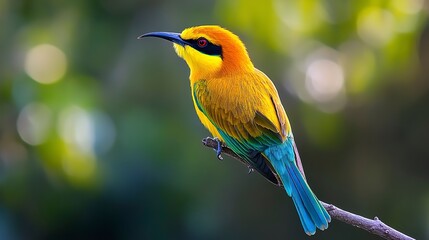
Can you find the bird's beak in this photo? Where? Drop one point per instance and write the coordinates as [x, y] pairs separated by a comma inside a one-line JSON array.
[[170, 36]]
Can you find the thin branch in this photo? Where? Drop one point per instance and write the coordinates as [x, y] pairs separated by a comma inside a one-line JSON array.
[[374, 226]]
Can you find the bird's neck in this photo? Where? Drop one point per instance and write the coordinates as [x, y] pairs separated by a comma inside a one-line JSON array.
[[197, 76], [227, 70]]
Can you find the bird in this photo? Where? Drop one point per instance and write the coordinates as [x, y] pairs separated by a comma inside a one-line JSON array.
[[241, 108]]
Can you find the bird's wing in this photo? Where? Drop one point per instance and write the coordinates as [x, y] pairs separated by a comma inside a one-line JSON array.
[[248, 115]]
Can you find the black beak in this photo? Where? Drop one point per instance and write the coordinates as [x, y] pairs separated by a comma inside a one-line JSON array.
[[170, 36]]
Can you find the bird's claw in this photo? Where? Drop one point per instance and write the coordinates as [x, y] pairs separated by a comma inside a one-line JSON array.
[[218, 149], [251, 169]]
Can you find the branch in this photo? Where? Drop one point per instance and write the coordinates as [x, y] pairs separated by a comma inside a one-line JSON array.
[[374, 226]]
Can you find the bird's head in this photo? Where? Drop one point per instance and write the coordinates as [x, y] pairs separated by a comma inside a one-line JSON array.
[[209, 51]]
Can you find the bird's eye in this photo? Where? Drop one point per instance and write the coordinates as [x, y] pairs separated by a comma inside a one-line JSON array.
[[202, 42]]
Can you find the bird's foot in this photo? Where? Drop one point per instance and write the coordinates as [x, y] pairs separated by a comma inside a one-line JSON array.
[[218, 148], [251, 169]]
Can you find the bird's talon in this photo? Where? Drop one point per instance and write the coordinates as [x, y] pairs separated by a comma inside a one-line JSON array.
[[218, 149], [250, 169]]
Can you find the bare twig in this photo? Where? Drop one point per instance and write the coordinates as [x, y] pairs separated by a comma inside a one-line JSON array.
[[374, 226]]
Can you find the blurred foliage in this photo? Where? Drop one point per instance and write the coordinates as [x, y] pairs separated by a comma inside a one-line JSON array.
[[99, 139]]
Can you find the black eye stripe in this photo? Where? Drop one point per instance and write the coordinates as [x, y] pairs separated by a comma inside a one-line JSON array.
[[209, 48]]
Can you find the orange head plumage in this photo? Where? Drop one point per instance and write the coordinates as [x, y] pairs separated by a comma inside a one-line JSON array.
[[210, 51]]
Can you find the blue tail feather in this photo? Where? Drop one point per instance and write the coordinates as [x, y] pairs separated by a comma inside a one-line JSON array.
[[311, 213], [306, 198]]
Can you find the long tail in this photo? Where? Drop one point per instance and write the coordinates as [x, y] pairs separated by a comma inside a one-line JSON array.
[[311, 212]]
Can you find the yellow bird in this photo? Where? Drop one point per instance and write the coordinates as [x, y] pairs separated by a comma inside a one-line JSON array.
[[240, 106]]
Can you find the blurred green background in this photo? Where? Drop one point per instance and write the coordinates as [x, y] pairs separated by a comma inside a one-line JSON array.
[[99, 139]]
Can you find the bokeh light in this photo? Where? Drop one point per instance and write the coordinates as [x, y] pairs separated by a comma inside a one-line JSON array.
[[45, 63], [325, 80], [375, 25], [408, 6], [318, 78], [34, 122], [90, 133], [325, 84], [300, 17], [76, 128]]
